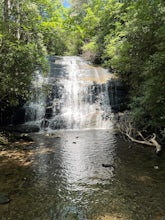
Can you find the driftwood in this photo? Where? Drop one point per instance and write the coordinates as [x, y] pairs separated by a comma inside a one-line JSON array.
[[126, 127]]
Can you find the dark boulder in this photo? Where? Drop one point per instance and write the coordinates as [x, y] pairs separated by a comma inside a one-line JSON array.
[[4, 199]]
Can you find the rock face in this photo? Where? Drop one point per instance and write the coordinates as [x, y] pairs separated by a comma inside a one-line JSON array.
[[24, 128], [12, 115], [117, 92], [4, 199]]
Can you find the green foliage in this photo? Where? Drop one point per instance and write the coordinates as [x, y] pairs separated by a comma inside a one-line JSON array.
[[146, 78], [152, 97], [91, 49], [17, 68], [3, 140], [128, 37], [52, 26], [22, 51], [29, 30]]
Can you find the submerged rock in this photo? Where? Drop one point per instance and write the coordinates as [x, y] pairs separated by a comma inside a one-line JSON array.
[[156, 167], [4, 199], [107, 165], [26, 137]]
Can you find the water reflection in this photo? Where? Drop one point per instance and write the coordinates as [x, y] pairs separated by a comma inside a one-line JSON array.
[[82, 158], [68, 182], [69, 171], [76, 159]]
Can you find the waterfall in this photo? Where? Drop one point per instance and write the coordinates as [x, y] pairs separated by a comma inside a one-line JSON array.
[[76, 96]]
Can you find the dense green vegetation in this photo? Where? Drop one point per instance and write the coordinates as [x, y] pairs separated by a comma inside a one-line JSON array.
[[29, 30], [126, 36]]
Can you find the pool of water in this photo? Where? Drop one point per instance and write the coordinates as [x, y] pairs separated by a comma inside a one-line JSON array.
[[84, 175]]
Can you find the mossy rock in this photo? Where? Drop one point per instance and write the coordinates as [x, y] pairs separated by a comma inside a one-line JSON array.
[[3, 140]]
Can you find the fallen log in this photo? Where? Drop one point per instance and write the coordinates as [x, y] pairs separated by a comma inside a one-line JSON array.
[[151, 142], [126, 127]]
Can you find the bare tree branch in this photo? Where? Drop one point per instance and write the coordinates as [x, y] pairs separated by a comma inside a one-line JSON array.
[[126, 127]]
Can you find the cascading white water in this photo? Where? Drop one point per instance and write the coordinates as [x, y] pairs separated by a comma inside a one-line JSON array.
[[35, 108], [77, 99]]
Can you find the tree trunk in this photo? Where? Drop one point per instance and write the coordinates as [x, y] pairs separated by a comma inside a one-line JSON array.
[[18, 18], [7, 12]]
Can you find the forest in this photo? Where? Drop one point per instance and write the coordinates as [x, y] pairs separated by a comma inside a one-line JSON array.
[[125, 36]]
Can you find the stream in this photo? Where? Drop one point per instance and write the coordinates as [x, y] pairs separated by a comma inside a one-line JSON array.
[[78, 168]]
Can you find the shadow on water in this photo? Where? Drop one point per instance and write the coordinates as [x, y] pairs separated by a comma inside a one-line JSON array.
[[88, 174]]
